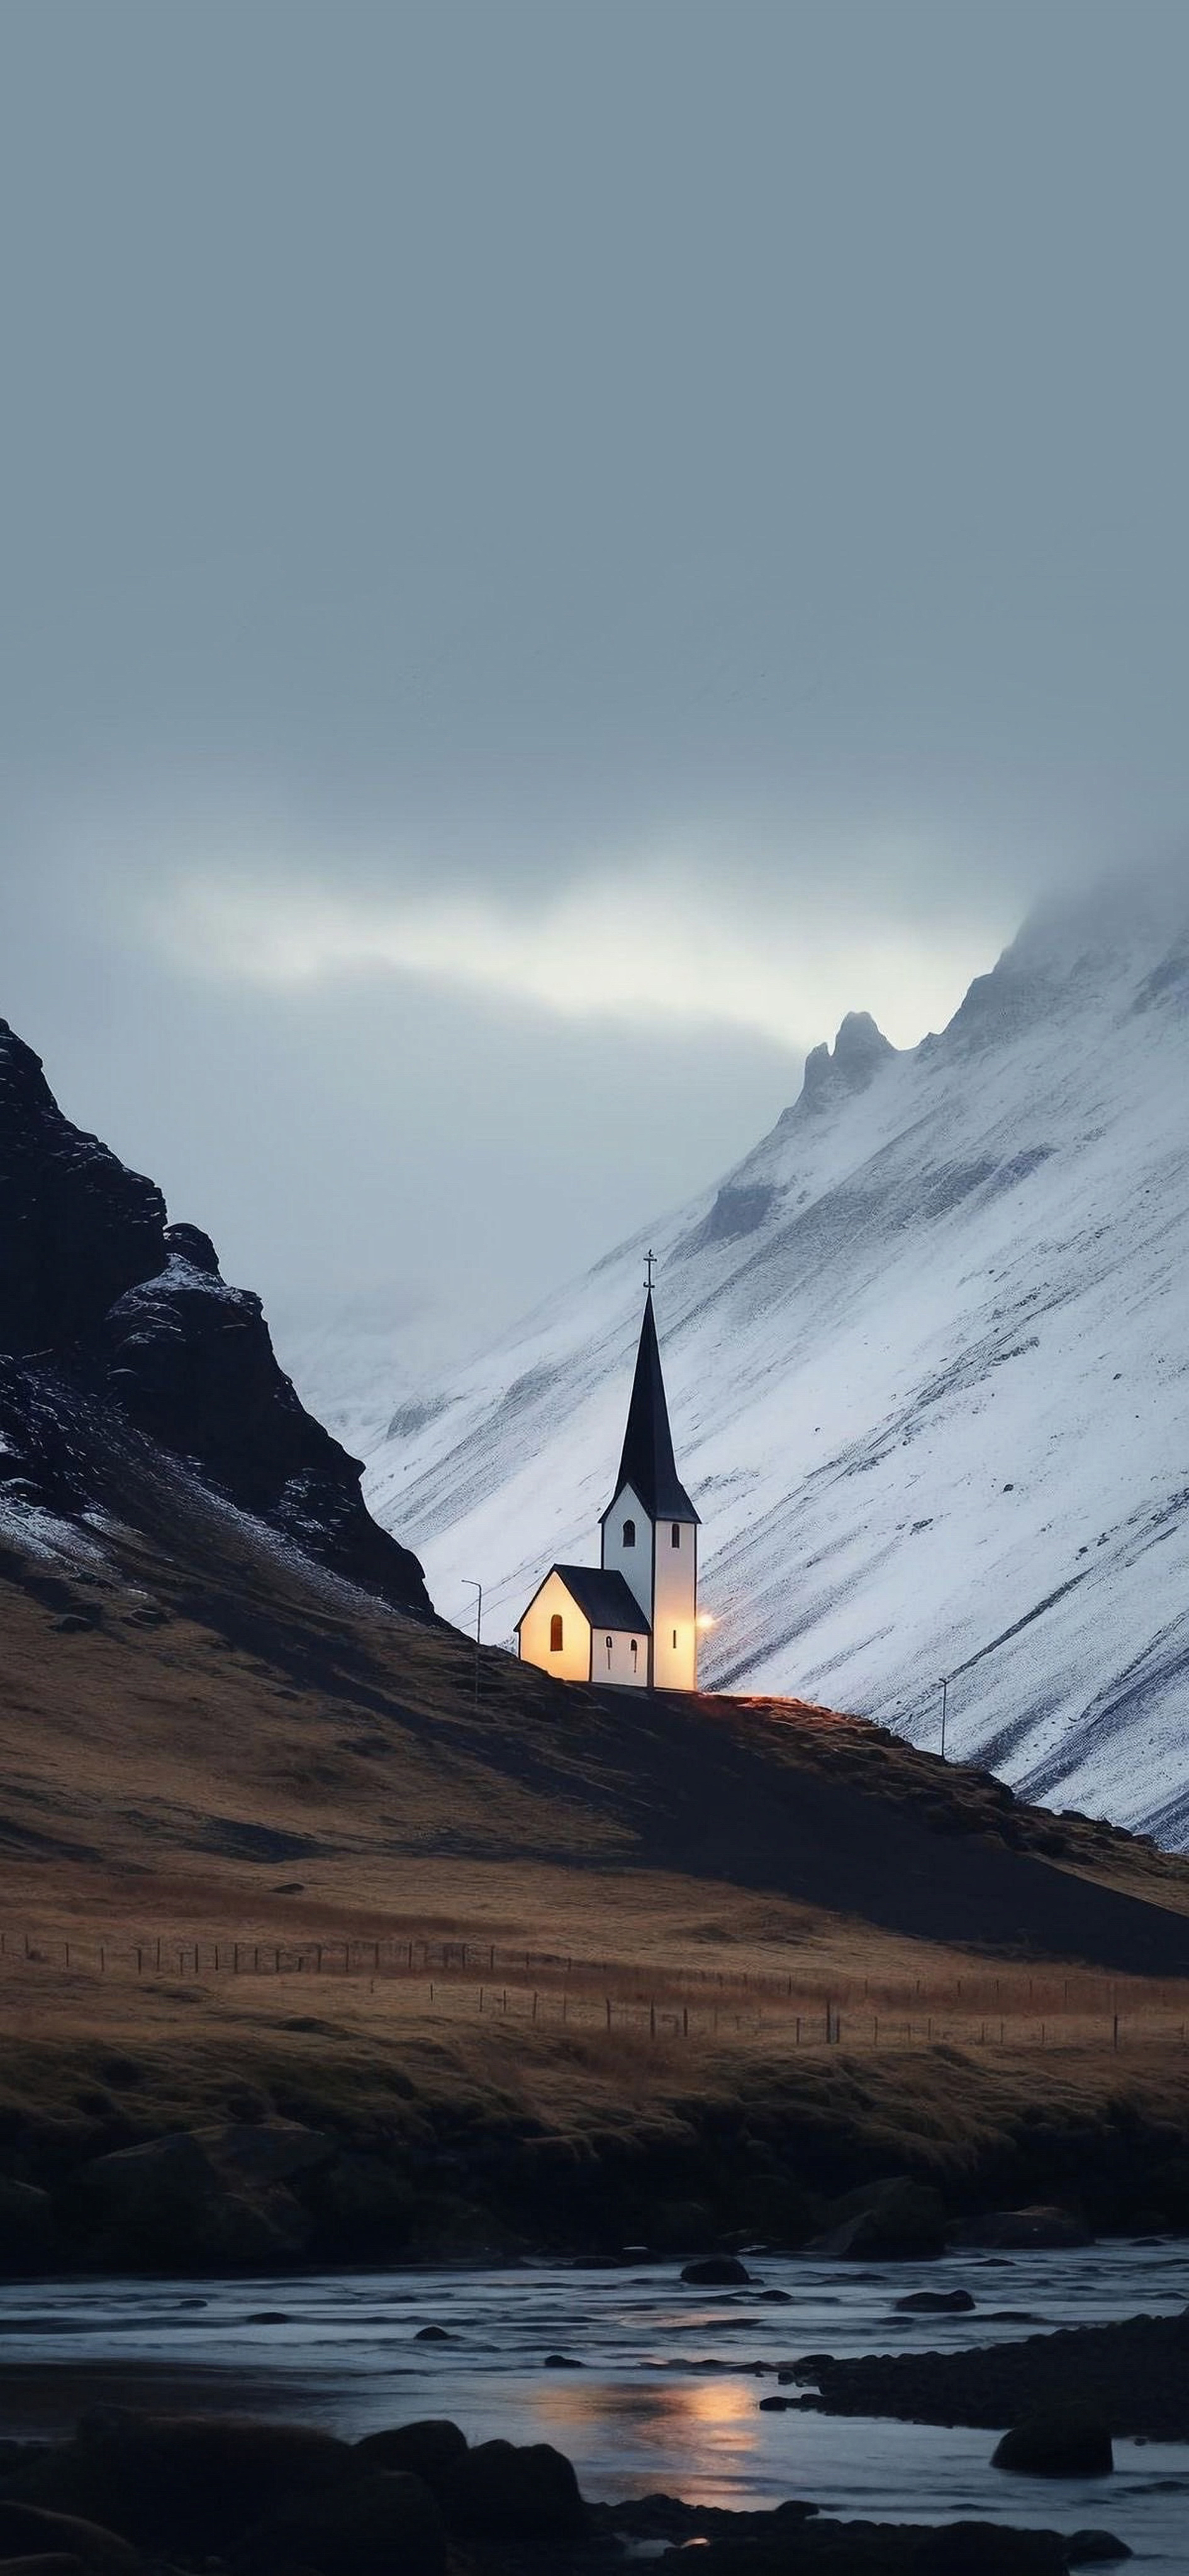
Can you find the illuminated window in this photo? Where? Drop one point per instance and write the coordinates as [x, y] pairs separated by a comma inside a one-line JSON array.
[[629, 1533], [676, 1533], [555, 1633]]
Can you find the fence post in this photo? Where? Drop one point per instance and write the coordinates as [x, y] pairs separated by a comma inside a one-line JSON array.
[[607, 2001]]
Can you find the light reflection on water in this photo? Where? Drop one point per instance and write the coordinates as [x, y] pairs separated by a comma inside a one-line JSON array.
[[668, 2391]]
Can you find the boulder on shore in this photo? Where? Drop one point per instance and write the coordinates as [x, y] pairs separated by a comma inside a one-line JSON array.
[[986, 2549], [28, 2530], [509, 2491], [384, 2523], [189, 2484], [1015, 2230], [28, 2234], [896, 2221], [196, 2199], [432, 2449], [1058, 2442]]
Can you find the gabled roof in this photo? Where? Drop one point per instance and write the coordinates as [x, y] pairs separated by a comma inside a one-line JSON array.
[[648, 1464], [602, 1597]]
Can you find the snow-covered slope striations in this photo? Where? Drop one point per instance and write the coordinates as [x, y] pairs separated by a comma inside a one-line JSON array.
[[927, 1352]]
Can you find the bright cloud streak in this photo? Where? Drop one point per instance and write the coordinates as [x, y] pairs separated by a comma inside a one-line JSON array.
[[656, 945]]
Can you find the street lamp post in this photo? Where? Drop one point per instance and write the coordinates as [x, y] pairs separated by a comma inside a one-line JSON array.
[[945, 1693], [473, 1586]]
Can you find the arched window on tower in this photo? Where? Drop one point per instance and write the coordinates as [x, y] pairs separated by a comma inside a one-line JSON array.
[[610, 1645], [635, 1652], [629, 1533], [555, 1633], [676, 1533]]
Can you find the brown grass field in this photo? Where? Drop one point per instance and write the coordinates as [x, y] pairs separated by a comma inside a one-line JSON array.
[[256, 1829]]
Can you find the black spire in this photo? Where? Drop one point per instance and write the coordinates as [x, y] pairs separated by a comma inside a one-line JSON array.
[[648, 1464]]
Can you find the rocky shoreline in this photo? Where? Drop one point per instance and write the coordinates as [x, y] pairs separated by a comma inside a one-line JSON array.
[[130, 2492], [1133, 2375], [266, 2193]]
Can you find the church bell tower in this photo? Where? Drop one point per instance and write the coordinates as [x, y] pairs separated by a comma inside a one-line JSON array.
[[650, 1528]]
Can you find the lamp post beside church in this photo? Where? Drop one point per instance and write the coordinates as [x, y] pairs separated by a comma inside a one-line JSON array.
[[473, 1586]]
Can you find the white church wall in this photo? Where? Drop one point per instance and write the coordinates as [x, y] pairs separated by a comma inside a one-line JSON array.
[[675, 1604], [634, 1563], [553, 1601], [612, 1658]]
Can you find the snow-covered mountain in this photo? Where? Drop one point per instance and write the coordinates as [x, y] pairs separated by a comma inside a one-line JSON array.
[[927, 1351]]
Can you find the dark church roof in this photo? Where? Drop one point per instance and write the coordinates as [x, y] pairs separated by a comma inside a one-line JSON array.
[[648, 1464], [603, 1598]]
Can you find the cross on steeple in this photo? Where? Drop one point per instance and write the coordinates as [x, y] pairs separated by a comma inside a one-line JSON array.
[[649, 1267]]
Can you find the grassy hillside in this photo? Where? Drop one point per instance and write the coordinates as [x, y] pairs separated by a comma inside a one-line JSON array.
[[266, 1843]]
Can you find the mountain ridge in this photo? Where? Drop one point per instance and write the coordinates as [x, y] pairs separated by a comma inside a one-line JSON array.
[[115, 1323], [928, 1376]]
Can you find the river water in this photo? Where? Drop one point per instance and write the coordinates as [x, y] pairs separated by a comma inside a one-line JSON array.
[[667, 2391]]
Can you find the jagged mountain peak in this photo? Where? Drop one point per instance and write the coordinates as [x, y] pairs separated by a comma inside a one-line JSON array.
[[859, 1052]]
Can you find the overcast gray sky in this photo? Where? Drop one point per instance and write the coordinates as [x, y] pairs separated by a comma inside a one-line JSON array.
[[547, 552]]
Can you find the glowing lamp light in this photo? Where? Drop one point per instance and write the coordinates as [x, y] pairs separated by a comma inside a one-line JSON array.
[[704, 1620]]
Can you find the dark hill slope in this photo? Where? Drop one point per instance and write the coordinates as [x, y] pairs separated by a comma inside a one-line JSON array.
[[208, 1742], [108, 1315], [201, 1690]]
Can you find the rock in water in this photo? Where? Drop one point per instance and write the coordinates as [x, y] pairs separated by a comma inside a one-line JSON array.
[[935, 2303], [1059, 2442], [717, 2272]]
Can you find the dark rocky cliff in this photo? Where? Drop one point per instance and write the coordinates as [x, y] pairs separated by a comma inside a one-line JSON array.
[[104, 1307]]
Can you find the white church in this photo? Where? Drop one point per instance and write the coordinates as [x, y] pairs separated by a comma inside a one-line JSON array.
[[633, 1619]]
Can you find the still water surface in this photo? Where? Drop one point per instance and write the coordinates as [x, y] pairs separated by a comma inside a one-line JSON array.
[[670, 2378]]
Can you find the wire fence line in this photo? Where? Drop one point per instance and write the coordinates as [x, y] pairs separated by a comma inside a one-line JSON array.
[[462, 1978]]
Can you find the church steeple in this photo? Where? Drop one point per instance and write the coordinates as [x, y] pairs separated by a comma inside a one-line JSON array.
[[632, 1621], [649, 1530], [647, 1463]]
